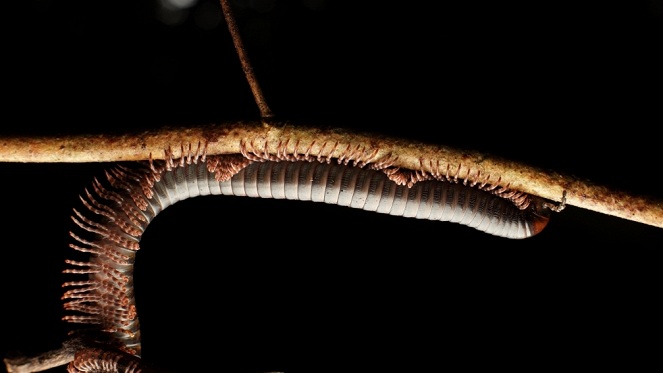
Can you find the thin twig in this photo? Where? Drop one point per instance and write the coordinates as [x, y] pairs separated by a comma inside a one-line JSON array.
[[226, 139], [265, 111]]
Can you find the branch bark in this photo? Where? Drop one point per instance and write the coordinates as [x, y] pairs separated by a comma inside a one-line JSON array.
[[81, 352], [43, 361], [226, 139]]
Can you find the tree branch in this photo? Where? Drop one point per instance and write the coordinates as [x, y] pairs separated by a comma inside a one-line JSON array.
[[226, 139], [47, 360]]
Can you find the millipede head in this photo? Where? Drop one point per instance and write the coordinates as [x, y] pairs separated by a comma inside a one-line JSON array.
[[540, 214]]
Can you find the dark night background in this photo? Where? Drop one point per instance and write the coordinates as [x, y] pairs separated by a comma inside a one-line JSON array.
[[260, 285]]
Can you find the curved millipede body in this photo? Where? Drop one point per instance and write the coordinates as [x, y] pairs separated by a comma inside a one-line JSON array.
[[138, 194]]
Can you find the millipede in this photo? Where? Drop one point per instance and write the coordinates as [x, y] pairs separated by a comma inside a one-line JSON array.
[[136, 195], [116, 207]]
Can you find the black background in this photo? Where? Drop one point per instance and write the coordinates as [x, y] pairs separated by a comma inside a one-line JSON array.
[[240, 284]]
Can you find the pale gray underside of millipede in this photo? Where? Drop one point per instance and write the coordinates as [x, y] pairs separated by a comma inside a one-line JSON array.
[[108, 297]]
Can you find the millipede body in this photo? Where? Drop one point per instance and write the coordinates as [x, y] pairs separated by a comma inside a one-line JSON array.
[[137, 194]]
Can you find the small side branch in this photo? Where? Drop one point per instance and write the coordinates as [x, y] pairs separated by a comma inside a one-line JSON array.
[[43, 361], [81, 354], [265, 111]]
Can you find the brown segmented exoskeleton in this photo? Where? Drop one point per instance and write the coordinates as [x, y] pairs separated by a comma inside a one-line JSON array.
[[465, 238], [134, 196]]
